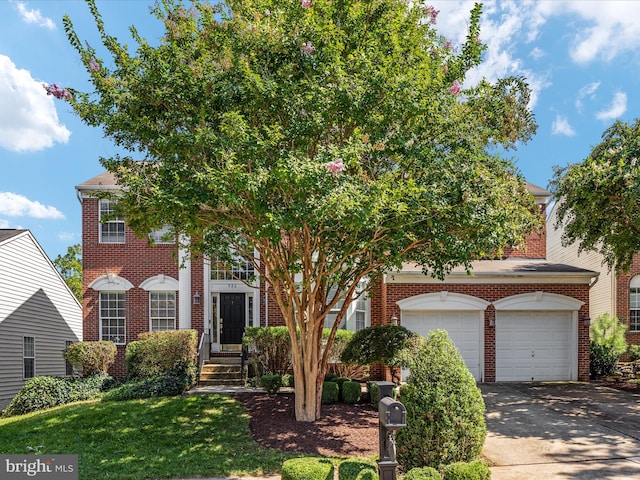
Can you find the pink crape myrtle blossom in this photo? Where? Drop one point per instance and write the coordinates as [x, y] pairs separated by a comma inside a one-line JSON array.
[[94, 66], [306, 4], [57, 91], [308, 48], [455, 88], [335, 167], [431, 12]]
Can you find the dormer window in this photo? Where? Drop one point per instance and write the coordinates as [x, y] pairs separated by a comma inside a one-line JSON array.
[[111, 227]]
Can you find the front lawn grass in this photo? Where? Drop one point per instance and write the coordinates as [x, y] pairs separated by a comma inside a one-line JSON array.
[[176, 437]]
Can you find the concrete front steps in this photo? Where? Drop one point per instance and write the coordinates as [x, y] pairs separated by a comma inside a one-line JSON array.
[[223, 370]]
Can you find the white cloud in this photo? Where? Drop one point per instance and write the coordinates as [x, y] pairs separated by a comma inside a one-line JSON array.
[[67, 236], [618, 107], [501, 23], [4, 223], [15, 205], [34, 16], [537, 53], [587, 91], [28, 118], [561, 126], [602, 30]]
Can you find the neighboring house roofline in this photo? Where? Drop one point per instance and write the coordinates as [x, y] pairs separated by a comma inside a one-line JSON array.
[[8, 235]]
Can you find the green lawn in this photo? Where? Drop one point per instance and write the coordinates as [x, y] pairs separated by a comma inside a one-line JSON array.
[[199, 435]]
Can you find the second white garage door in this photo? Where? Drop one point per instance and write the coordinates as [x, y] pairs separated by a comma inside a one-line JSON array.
[[534, 346], [463, 327]]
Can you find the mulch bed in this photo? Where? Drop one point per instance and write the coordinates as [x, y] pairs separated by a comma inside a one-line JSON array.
[[342, 431], [632, 387]]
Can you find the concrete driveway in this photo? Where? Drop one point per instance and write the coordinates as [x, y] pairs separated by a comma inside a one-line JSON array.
[[561, 431]]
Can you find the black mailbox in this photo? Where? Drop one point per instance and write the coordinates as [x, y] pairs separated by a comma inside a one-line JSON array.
[[392, 414]]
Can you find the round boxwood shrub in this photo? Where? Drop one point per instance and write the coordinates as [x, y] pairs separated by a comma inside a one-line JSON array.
[[466, 471], [368, 474], [423, 473], [330, 392], [445, 410], [311, 468], [271, 383], [355, 469], [351, 392]]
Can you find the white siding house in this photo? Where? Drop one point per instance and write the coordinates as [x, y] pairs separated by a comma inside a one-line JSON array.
[[602, 295], [39, 315]]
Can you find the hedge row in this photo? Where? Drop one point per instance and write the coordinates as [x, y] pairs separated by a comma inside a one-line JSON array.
[[39, 393]]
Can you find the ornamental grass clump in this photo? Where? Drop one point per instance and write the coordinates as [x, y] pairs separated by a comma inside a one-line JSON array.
[[445, 410]]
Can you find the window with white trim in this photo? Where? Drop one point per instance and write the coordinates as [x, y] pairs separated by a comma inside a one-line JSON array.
[[162, 311], [29, 357], [162, 235], [355, 318], [241, 270], [68, 368], [112, 317], [634, 304], [111, 227]]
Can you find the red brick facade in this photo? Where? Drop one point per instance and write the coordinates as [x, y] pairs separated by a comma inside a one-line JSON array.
[[622, 293], [136, 261]]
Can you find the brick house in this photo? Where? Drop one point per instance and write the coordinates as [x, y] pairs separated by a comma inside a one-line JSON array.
[[519, 318], [616, 292]]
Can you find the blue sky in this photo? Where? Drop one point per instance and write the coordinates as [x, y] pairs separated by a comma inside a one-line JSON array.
[[579, 57]]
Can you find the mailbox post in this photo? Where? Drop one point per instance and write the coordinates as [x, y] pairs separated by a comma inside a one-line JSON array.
[[392, 416]]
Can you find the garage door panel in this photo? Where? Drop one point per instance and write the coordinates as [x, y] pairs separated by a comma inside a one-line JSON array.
[[534, 346], [462, 327]]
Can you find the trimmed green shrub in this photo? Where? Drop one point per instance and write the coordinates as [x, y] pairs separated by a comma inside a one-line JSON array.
[[634, 353], [330, 392], [39, 393], [330, 377], [466, 471], [269, 348], [445, 410], [351, 392], [374, 393], [157, 386], [310, 468], [368, 474], [380, 343], [91, 357], [291, 381], [423, 473], [271, 383], [602, 360], [163, 353], [355, 470]]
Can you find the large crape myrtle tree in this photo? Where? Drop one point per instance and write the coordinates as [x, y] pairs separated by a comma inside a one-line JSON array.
[[325, 141]]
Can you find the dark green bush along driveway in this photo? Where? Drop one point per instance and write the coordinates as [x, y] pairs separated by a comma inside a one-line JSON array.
[[179, 437]]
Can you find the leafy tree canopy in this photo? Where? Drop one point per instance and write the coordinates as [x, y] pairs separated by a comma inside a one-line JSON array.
[[70, 267], [599, 197], [325, 141]]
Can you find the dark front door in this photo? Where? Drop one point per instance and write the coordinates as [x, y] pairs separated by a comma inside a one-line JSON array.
[[232, 319]]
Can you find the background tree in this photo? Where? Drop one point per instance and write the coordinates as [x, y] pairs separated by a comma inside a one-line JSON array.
[[325, 141], [70, 267], [599, 197]]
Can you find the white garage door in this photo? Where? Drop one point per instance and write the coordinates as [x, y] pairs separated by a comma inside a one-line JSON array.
[[534, 346], [463, 327]]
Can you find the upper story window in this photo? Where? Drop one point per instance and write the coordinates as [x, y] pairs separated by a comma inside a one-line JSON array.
[[162, 235], [111, 227], [162, 311], [634, 304], [242, 270]]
